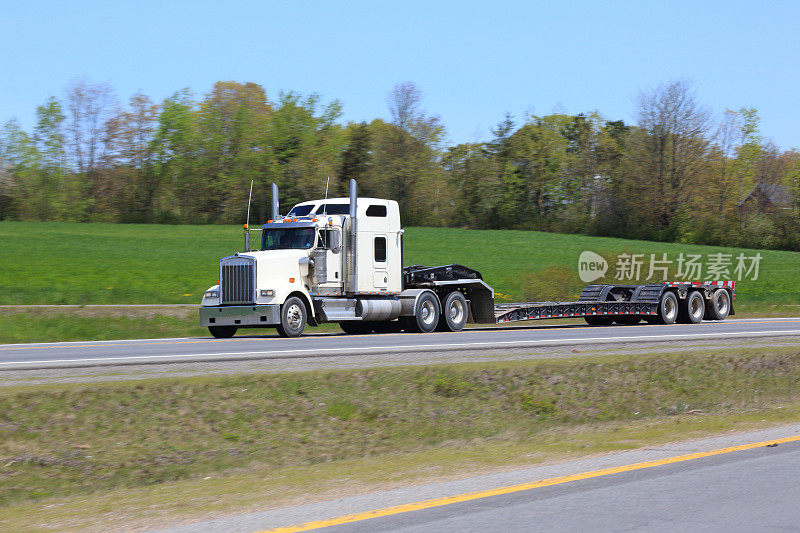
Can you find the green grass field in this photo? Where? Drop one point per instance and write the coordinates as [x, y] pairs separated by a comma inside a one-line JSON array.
[[70, 263]]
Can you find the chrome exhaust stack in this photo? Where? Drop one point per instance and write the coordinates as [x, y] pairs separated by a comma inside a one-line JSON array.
[[274, 202], [352, 264]]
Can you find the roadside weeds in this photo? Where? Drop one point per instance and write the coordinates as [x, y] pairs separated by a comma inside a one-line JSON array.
[[146, 452]]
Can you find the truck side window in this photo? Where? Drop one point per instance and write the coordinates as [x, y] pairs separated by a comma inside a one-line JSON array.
[[380, 249], [329, 240], [376, 210]]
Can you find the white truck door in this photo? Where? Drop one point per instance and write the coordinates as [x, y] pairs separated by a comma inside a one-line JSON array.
[[380, 251]]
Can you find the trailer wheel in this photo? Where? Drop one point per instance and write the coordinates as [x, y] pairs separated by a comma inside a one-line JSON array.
[[667, 308], [454, 313], [293, 318], [719, 305], [595, 320], [222, 332], [356, 327], [426, 314], [692, 309]]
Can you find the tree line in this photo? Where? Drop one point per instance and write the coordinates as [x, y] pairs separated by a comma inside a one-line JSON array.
[[676, 174]]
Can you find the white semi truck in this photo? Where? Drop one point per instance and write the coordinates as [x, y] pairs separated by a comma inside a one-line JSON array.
[[341, 260]]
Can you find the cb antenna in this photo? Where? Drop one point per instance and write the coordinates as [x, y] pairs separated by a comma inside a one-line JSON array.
[[247, 221], [325, 205]]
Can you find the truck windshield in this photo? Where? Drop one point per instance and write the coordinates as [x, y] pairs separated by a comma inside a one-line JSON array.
[[281, 239]]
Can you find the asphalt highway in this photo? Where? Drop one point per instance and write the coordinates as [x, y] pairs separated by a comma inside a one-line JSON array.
[[264, 344], [745, 481], [750, 490]]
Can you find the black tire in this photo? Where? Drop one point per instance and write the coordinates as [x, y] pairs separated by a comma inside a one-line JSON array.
[[599, 320], [667, 309], [357, 327], [719, 305], [627, 320], [454, 313], [426, 314], [692, 309], [222, 332], [293, 318]]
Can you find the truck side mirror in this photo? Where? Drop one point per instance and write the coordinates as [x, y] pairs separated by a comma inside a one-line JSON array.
[[333, 244]]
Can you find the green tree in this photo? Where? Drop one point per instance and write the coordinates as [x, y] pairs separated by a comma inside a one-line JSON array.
[[471, 176], [23, 164], [130, 156], [306, 145], [536, 184], [233, 119], [90, 107], [669, 152], [356, 155], [176, 154], [407, 160]]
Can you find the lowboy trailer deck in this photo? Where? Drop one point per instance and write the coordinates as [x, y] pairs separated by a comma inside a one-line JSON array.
[[657, 303]]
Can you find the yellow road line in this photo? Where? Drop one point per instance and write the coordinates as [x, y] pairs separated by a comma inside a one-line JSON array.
[[438, 502]]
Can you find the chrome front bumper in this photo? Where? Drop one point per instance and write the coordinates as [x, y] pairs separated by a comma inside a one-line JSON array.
[[241, 315]]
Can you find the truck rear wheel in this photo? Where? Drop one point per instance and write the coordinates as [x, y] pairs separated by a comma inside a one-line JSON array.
[[692, 309], [222, 332], [454, 313], [426, 314], [667, 309], [293, 318], [719, 305]]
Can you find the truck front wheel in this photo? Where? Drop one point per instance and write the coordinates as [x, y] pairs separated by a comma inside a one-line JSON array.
[[293, 318], [222, 332]]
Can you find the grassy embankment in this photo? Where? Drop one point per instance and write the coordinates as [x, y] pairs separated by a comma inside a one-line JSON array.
[[67, 263], [96, 455]]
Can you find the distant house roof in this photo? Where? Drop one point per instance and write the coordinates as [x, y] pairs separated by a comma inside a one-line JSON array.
[[777, 194]]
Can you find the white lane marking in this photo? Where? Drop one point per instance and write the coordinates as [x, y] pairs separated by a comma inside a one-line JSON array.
[[522, 324], [410, 347], [764, 319], [115, 341]]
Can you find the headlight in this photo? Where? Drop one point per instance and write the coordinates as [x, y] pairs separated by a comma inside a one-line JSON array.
[[211, 294], [267, 293]]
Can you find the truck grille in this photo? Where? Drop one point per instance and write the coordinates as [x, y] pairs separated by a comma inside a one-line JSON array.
[[237, 280]]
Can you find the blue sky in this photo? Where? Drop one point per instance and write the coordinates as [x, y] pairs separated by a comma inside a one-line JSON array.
[[473, 60]]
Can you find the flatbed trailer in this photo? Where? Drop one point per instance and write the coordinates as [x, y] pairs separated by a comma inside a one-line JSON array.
[[665, 303]]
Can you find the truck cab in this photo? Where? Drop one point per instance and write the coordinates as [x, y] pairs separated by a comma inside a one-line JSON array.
[[332, 260]]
